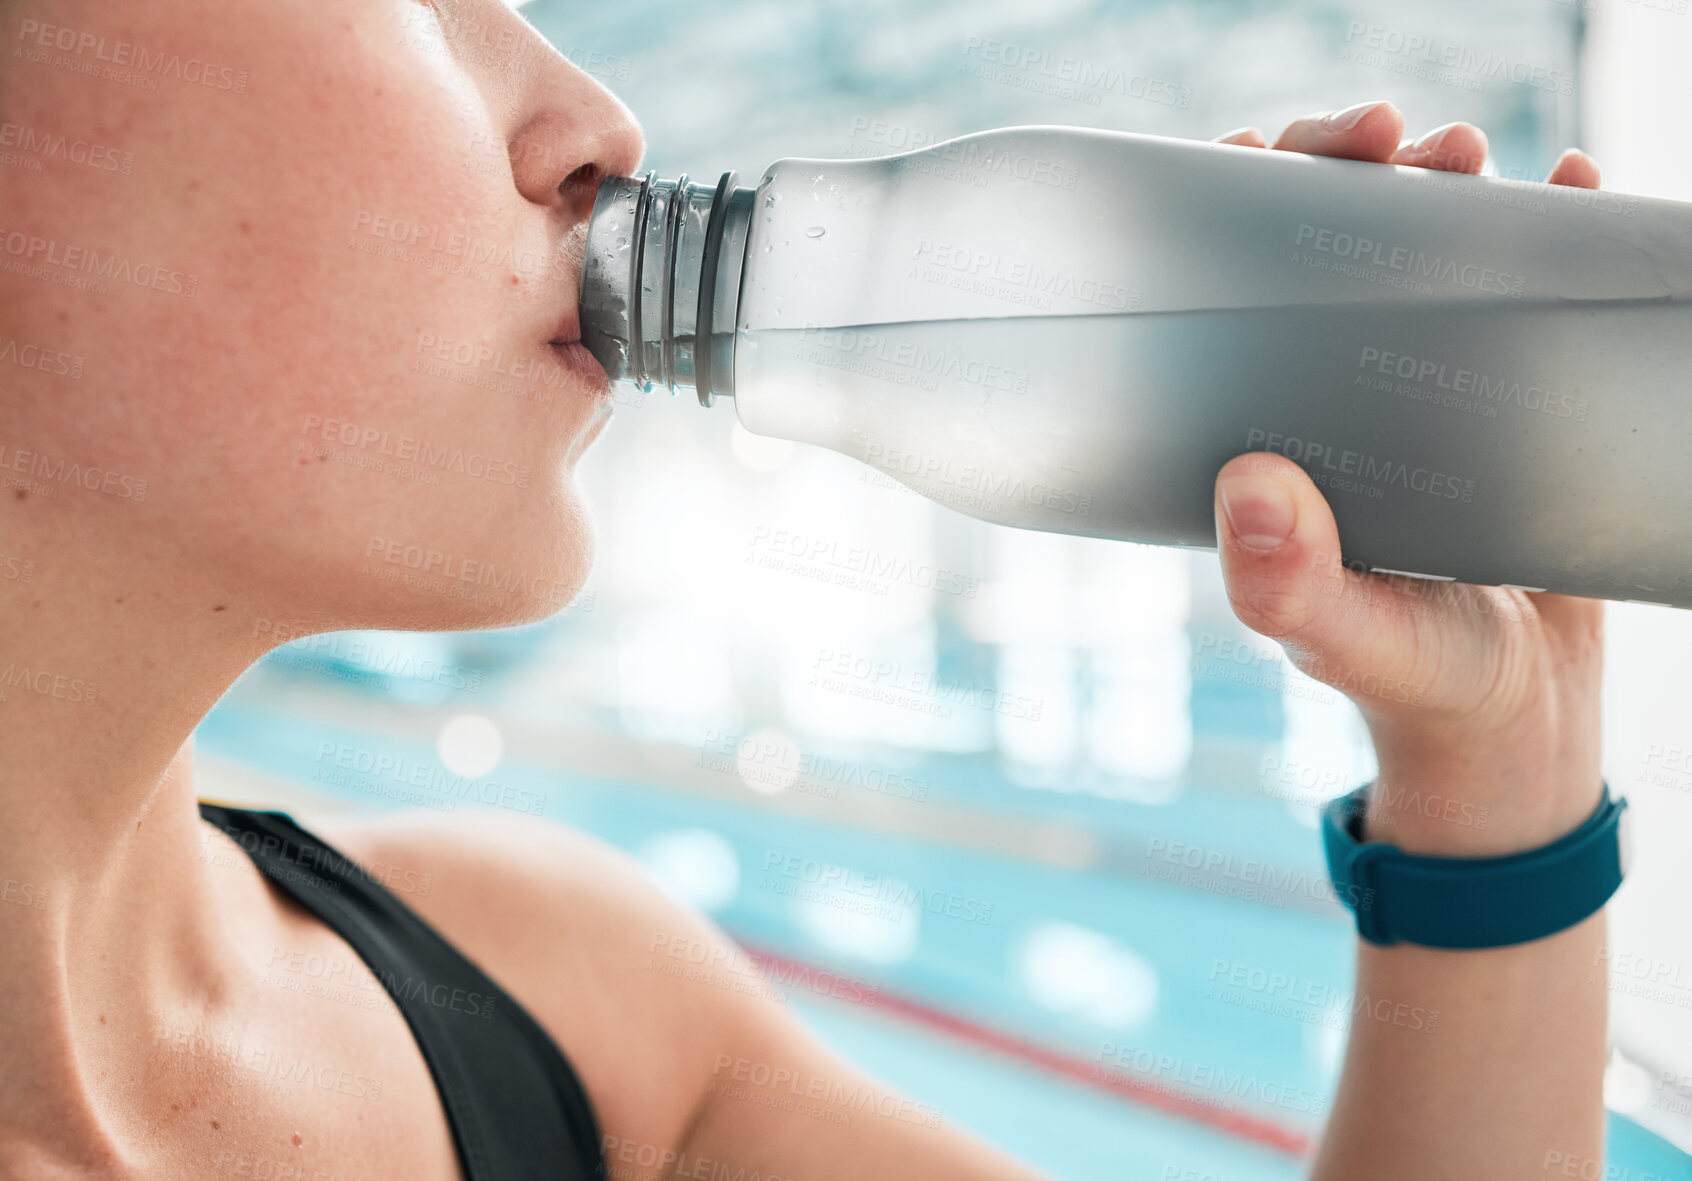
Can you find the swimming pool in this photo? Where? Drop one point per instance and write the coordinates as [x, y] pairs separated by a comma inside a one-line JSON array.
[[1030, 972]]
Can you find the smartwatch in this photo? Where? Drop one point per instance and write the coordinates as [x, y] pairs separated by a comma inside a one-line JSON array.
[[1473, 902]]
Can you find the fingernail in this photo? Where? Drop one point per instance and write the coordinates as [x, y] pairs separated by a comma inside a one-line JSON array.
[[1259, 509], [1350, 117], [1432, 139]]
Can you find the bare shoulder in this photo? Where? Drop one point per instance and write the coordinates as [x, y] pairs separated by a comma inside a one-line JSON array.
[[650, 1001], [582, 938]]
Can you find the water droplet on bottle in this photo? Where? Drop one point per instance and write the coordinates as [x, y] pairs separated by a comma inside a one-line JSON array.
[[815, 232], [766, 247]]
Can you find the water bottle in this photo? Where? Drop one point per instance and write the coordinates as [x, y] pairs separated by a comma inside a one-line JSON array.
[[1072, 330]]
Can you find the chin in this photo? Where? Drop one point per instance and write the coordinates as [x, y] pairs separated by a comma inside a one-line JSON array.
[[535, 582], [534, 570]]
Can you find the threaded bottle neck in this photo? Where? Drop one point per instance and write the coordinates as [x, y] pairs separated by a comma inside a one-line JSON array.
[[661, 281]]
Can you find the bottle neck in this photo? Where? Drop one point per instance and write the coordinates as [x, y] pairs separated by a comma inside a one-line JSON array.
[[661, 281]]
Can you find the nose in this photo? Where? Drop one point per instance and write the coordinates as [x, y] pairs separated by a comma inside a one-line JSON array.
[[566, 131], [579, 134]]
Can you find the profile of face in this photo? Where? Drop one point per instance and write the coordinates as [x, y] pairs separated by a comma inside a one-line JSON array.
[[283, 282]]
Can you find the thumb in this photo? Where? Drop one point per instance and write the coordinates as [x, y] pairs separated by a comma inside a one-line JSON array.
[[1281, 561]]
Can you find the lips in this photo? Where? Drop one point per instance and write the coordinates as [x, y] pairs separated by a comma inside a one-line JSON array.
[[574, 356], [566, 344], [569, 330]]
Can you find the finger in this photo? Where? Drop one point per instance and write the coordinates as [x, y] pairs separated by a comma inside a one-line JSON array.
[[1574, 619], [1281, 561], [1246, 137], [1367, 131], [1575, 169], [1456, 147], [1276, 535]]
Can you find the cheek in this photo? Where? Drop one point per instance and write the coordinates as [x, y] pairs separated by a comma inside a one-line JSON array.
[[329, 285], [328, 216]]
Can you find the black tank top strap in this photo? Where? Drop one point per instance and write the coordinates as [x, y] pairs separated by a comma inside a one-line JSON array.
[[514, 1103]]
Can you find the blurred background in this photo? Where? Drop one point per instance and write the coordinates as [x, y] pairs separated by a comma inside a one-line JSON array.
[[1023, 823]]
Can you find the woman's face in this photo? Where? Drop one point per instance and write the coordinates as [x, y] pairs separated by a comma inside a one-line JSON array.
[[297, 266]]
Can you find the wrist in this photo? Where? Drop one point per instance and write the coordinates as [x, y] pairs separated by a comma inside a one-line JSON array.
[[1451, 795]]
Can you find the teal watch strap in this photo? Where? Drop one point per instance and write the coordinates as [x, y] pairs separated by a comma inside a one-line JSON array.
[[1472, 902]]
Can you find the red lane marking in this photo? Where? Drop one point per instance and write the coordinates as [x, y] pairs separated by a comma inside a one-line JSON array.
[[1182, 1104]]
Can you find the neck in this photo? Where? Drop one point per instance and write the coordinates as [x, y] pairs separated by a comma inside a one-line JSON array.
[[111, 927]]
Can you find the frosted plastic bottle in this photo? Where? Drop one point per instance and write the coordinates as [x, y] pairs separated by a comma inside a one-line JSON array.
[[1072, 330]]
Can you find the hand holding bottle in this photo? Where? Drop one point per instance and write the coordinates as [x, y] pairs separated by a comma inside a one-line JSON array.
[[1482, 701]]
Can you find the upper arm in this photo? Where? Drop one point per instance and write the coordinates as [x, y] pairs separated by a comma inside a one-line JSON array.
[[687, 1054], [782, 1106]]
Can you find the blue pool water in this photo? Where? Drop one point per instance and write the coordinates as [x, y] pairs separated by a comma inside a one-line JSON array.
[[1109, 966]]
